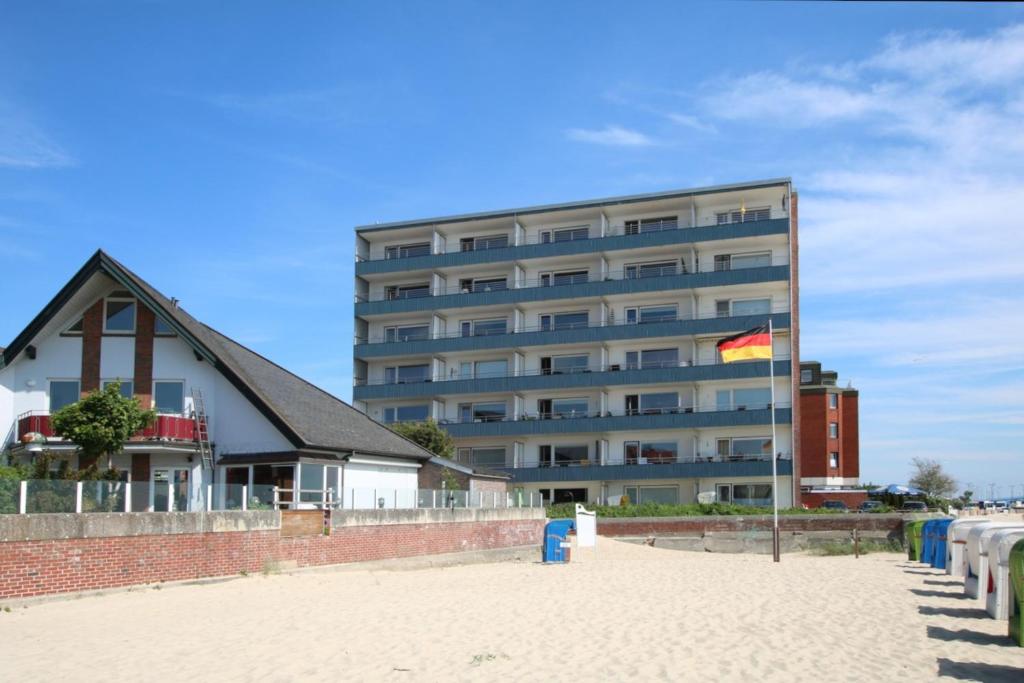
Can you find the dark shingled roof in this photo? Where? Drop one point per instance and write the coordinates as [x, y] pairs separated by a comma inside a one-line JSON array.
[[305, 414]]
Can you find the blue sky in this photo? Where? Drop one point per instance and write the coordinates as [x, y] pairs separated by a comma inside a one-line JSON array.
[[225, 153]]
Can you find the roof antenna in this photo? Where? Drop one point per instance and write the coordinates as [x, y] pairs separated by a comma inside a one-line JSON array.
[[174, 302]]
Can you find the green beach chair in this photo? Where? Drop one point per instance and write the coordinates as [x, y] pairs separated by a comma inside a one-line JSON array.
[[1017, 593], [913, 531]]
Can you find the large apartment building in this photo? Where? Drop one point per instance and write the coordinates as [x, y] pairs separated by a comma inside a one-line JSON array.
[[573, 345]]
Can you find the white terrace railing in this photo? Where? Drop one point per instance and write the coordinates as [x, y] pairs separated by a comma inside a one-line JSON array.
[[65, 496]]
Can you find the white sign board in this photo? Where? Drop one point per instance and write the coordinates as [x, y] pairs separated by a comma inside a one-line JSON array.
[[586, 527]]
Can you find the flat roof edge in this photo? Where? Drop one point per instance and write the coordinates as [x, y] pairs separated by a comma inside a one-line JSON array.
[[583, 204]]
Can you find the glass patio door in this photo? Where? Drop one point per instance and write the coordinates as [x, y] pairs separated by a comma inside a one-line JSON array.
[[170, 490]]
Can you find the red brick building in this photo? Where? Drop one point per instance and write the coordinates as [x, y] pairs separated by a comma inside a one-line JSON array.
[[829, 441]]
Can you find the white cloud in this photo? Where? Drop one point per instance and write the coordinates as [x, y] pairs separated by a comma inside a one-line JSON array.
[[690, 121], [23, 144], [612, 135]]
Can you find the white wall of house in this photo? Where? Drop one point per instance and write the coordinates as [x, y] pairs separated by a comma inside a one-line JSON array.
[[6, 405], [366, 479]]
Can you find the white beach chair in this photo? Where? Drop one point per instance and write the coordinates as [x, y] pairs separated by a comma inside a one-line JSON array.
[[976, 580], [956, 542], [997, 602]]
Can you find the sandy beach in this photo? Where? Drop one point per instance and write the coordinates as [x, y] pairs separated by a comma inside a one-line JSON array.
[[626, 612]]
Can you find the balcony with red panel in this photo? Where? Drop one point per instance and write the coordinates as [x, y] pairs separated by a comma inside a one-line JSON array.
[[164, 428]]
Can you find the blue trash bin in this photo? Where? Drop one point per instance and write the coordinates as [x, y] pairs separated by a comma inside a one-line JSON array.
[[927, 542], [556, 532], [940, 544]]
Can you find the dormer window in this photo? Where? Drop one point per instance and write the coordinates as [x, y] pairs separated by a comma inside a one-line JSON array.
[[75, 329], [119, 317], [162, 328]]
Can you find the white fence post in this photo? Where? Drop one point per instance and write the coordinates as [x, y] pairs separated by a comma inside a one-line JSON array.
[[209, 497], [78, 496], [23, 498], [245, 497], [127, 496], [170, 496]]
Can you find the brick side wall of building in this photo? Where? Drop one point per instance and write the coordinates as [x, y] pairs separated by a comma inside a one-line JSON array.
[[498, 486], [849, 435], [852, 499], [32, 568], [92, 341], [144, 331], [814, 428]]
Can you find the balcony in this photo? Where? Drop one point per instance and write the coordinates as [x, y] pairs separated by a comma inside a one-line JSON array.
[[596, 377], [592, 332], [683, 467], [667, 234], [675, 418], [164, 428], [578, 287]]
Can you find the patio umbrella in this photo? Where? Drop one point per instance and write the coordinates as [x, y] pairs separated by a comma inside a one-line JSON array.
[[898, 490]]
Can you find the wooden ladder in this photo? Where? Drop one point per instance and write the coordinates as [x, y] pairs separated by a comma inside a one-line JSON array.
[[202, 433]]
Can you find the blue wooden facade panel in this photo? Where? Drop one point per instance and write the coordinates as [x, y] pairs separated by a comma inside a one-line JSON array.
[[494, 385], [585, 289], [618, 423], [580, 336], [775, 226], [680, 470]]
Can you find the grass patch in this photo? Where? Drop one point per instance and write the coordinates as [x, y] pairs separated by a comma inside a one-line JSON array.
[[835, 548]]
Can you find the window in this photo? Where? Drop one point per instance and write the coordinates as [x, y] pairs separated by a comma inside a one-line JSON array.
[[752, 494], [563, 456], [652, 358], [564, 321], [658, 452], [488, 284], [491, 368], [64, 392], [478, 243], [407, 374], [833, 459], [833, 401], [565, 234], [833, 430], [743, 215], [569, 496], [635, 227], [482, 412], [169, 397], [483, 456], [558, 365], [751, 306], [563, 407], [757, 448], [76, 328], [642, 270], [126, 386], [806, 377], [120, 315], [416, 291], [483, 328], [667, 495], [162, 328], [652, 314], [406, 333], [407, 250], [659, 403], [407, 414], [743, 399], [742, 261], [566, 277]]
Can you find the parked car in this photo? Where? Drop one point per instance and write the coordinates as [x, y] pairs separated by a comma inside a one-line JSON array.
[[837, 505], [914, 506], [869, 505], [1017, 505], [1002, 506]]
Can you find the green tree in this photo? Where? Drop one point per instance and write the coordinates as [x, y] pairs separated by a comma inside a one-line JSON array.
[[100, 423], [428, 435], [929, 476]]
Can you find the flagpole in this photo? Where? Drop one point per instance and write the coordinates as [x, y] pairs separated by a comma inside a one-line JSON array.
[[775, 472]]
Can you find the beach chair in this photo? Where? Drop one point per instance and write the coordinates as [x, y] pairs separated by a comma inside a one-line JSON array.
[[913, 534], [941, 529], [927, 541], [1016, 596], [976, 580], [956, 543], [997, 601]]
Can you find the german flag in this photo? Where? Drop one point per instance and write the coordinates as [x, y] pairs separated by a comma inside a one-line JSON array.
[[755, 343]]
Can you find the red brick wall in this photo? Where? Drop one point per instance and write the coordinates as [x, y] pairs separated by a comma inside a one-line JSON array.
[[849, 436], [30, 568], [814, 433], [852, 499], [92, 339], [144, 328], [815, 419]]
